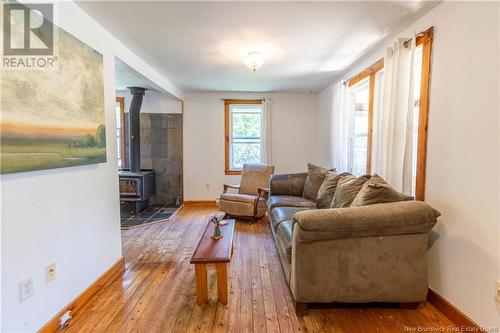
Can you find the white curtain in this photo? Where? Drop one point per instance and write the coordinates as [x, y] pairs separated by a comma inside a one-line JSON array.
[[393, 122], [266, 151], [342, 118]]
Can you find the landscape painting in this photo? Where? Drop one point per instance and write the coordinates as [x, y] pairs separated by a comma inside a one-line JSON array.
[[54, 118]]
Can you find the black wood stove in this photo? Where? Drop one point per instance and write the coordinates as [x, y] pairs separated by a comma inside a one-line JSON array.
[[136, 185], [135, 189]]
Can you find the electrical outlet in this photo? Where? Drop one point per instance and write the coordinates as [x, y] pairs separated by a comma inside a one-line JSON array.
[[26, 289], [207, 186], [497, 291], [50, 273]]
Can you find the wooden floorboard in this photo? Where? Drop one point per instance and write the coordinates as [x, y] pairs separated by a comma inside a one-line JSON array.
[[156, 292]]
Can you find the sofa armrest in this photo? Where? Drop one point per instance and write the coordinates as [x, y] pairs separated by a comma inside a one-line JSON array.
[[395, 218], [287, 184]]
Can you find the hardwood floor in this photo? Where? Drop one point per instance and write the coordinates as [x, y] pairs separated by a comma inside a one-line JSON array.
[[156, 292]]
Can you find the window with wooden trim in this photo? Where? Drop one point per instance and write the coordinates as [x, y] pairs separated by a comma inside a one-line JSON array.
[[243, 133], [363, 90], [364, 124], [120, 131]]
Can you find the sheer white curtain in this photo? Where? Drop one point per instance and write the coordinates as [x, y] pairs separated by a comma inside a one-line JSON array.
[[266, 151], [393, 122], [342, 119]]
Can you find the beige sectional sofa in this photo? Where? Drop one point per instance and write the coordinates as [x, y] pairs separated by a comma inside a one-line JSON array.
[[374, 253]]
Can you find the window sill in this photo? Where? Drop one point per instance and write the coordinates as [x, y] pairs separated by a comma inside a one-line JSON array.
[[232, 172]]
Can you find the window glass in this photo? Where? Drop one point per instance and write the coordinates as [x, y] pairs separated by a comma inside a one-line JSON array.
[[245, 134], [359, 138], [417, 73]]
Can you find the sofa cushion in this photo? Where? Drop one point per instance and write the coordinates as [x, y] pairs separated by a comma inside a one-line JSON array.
[[314, 179], [327, 189], [374, 191], [347, 189], [281, 214], [289, 201], [284, 238], [287, 184], [407, 197], [392, 218]]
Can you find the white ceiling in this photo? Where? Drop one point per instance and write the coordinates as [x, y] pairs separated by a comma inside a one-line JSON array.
[[197, 45], [126, 76]]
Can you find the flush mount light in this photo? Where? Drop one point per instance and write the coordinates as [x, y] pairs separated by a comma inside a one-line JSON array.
[[253, 59]]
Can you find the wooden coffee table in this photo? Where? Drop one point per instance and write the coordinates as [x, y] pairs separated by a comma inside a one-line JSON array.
[[211, 251]]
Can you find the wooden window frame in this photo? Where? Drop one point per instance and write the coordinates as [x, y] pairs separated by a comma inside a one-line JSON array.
[[369, 72], [121, 101], [425, 39], [227, 129]]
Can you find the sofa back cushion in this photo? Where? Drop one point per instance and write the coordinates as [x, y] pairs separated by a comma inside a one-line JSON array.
[[327, 189], [376, 190], [314, 179], [287, 184], [347, 189]]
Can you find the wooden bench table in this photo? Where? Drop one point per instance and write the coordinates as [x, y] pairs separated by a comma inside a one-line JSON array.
[[211, 251]]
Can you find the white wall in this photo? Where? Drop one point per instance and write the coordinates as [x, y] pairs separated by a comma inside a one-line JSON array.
[[153, 102], [323, 125], [463, 153], [66, 216], [293, 138]]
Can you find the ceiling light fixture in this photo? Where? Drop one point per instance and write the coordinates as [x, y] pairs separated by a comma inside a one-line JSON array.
[[253, 59]]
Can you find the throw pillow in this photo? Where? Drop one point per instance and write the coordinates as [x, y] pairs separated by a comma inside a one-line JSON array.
[[347, 189], [327, 189], [376, 190], [314, 179]]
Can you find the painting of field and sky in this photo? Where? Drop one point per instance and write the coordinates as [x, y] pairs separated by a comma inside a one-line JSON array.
[[54, 118]]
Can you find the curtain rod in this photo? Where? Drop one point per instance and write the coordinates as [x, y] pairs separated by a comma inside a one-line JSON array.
[[421, 33], [406, 43]]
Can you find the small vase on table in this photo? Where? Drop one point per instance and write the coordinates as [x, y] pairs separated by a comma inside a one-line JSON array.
[[215, 219]]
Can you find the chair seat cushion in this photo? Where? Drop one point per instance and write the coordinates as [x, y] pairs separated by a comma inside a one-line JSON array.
[[289, 201], [236, 204], [238, 197], [243, 209], [284, 238], [281, 214]]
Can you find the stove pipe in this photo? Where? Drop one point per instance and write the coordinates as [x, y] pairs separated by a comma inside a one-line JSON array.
[[134, 129]]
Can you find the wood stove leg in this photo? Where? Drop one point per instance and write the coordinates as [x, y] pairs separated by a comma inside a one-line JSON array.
[[409, 306], [300, 308], [200, 271]]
